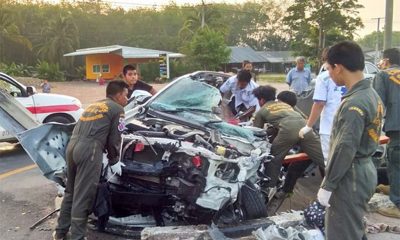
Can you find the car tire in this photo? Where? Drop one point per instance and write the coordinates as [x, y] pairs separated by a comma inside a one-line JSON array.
[[59, 119], [252, 202]]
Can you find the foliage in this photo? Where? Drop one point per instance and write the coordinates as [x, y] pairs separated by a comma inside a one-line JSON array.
[[60, 36], [10, 31], [49, 71], [211, 19], [369, 41], [180, 67], [56, 29], [208, 49], [149, 71], [14, 69], [314, 24]]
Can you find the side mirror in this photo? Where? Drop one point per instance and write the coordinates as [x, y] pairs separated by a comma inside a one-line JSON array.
[[31, 90]]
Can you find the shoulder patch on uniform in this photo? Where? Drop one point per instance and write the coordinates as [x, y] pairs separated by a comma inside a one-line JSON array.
[[394, 75], [357, 109], [121, 125]]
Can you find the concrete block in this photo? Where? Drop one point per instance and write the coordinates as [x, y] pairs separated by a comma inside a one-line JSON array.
[[288, 219], [193, 232]]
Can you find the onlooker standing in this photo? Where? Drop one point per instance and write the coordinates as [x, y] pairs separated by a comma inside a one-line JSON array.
[[98, 130], [45, 85], [327, 97], [299, 77], [351, 176], [387, 84], [131, 77], [247, 65]]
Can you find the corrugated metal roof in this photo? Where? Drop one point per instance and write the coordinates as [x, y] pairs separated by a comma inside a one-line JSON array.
[[277, 56], [125, 52], [239, 54]]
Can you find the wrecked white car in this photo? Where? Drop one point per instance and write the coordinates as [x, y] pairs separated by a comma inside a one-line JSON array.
[[184, 164]]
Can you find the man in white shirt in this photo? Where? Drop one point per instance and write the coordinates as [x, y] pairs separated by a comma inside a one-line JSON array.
[[241, 86], [327, 98]]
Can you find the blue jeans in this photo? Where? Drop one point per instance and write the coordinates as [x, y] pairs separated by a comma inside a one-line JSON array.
[[393, 154]]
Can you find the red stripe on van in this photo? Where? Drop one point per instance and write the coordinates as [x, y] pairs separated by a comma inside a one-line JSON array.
[[54, 108]]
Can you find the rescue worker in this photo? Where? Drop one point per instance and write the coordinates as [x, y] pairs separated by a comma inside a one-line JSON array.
[[283, 117], [98, 130], [350, 178], [296, 169], [387, 85]]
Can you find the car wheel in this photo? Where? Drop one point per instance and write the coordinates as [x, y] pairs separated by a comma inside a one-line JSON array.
[[59, 119], [252, 202]]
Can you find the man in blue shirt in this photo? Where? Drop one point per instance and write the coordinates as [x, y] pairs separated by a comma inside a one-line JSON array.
[[299, 77]]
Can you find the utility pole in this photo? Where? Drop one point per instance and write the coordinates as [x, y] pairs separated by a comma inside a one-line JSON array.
[[377, 55], [388, 24], [203, 9]]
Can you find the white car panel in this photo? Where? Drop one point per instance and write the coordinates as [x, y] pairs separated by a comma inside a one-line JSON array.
[[43, 106]]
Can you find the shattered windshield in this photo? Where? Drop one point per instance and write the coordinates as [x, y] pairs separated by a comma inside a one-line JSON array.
[[187, 94], [193, 101]]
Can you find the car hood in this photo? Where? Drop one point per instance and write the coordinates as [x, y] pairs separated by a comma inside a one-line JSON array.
[[55, 99]]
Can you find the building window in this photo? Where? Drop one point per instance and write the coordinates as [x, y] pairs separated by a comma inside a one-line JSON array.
[[105, 68], [96, 68]]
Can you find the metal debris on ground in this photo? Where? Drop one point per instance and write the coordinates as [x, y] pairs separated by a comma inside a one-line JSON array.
[[275, 232]]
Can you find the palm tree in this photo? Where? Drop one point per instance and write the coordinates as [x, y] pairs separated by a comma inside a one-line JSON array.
[[201, 18], [9, 31], [61, 35]]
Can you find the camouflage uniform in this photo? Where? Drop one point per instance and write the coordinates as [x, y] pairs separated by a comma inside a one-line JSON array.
[[350, 174], [289, 122], [97, 130], [387, 85]]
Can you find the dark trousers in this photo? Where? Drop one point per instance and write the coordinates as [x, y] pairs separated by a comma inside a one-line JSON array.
[[393, 155], [84, 162], [349, 201], [281, 145]]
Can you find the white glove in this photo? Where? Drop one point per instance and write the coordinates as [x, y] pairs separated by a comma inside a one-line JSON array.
[[304, 131], [117, 168], [323, 197]]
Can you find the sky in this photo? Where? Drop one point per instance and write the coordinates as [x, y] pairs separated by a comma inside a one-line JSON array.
[[372, 9]]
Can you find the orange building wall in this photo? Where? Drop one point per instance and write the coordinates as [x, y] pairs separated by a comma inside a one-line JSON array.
[[115, 61]]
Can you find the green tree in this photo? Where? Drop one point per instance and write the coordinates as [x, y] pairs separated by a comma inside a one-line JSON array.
[[10, 31], [369, 41], [202, 16], [208, 49], [61, 36], [314, 24]]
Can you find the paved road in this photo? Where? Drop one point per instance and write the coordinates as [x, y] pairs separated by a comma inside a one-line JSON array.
[[26, 196]]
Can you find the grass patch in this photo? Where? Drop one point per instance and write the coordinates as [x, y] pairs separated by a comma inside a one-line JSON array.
[[271, 78]]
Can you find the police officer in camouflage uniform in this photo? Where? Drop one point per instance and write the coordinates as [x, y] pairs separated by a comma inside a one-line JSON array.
[[98, 130], [387, 84], [283, 117], [351, 176]]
